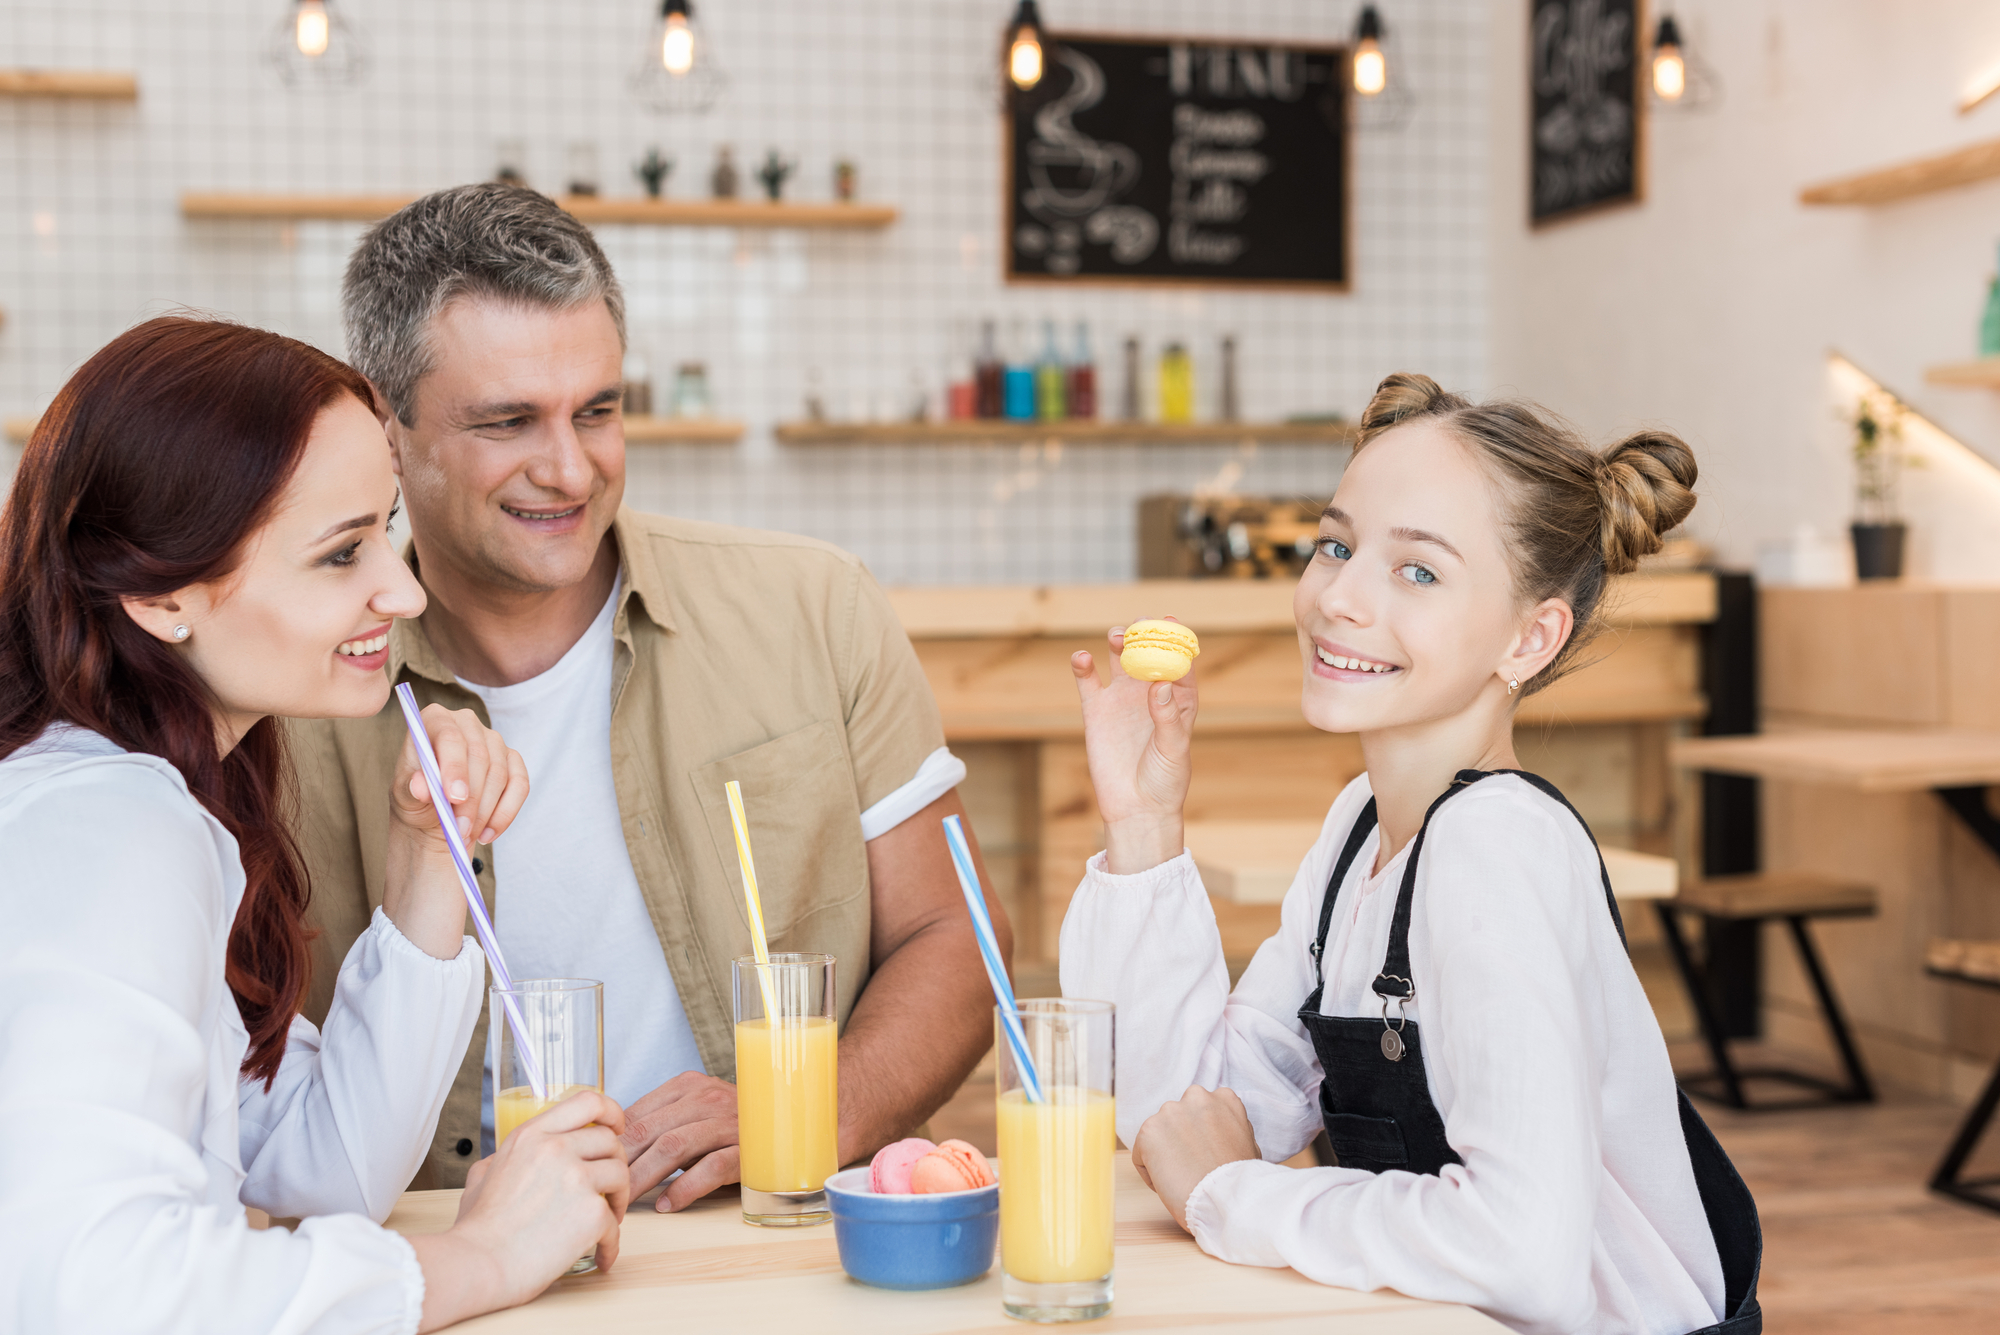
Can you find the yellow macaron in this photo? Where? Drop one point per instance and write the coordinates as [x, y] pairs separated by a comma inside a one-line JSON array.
[[1158, 650]]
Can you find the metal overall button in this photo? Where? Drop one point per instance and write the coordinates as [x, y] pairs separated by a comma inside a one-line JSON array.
[[1392, 1039]]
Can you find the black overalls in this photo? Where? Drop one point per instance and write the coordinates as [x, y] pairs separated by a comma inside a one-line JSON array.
[[1377, 1103]]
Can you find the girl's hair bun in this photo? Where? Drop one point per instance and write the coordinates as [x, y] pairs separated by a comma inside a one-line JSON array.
[[1402, 396], [1646, 482]]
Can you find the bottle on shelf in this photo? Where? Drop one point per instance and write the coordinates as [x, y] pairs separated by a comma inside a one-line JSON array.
[[638, 401], [1128, 401], [691, 390], [1176, 384], [1989, 324], [1082, 377], [1051, 379], [1230, 408], [988, 375], [1018, 381]]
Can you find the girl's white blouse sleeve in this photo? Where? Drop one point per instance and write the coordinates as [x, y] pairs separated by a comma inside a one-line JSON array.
[[129, 1144]]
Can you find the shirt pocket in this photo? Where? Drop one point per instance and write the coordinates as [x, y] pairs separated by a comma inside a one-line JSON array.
[[805, 827]]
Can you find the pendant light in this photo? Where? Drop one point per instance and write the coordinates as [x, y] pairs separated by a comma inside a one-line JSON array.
[[314, 45], [1377, 77], [1669, 66], [1371, 67], [1024, 47], [678, 71], [1680, 81]]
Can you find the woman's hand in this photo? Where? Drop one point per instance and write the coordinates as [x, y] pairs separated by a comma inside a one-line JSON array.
[[1137, 735], [1188, 1139], [487, 783], [558, 1186]]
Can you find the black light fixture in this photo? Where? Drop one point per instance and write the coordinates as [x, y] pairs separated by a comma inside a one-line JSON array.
[[1024, 46], [1371, 68], [315, 45], [1669, 64], [678, 71]]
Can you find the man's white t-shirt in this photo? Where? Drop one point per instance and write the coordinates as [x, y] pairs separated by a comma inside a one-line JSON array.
[[567, 903]]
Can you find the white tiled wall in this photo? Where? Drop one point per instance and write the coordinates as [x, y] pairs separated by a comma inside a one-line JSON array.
[[91, 238]]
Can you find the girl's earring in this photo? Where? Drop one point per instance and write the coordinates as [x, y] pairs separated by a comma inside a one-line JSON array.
[[181, 632], [1512, 685]]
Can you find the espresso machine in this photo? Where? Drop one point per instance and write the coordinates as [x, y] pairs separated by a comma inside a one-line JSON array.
[[1226, 537]]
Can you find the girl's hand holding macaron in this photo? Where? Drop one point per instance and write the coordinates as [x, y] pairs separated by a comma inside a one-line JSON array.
[[1137, 730]]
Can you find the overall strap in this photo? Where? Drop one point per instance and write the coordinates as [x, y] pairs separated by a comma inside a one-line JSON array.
[[1395, 977], [1355, 837]]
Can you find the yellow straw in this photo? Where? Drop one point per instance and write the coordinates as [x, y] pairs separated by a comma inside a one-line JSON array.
[[750, 900]]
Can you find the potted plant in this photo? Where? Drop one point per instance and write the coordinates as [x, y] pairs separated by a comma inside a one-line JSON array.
[[1878, 527]]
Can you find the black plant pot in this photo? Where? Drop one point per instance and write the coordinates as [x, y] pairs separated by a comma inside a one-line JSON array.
[[1878, 550]]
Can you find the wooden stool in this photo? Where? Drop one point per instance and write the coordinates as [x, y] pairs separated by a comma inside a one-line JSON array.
[[1795, 897], [1978, 963]]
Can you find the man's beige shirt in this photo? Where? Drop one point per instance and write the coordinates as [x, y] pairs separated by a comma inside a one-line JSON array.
[[762, 657]]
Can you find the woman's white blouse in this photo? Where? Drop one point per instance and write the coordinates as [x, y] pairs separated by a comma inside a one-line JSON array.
[[129, 1146], [1575, 1209]]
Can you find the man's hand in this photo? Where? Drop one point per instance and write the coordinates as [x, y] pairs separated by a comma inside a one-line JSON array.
[[1187, 1140], [688, 1124]]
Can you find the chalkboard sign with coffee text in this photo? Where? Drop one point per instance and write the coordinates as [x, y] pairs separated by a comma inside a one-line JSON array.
[[1584, 60], [1154, 160]]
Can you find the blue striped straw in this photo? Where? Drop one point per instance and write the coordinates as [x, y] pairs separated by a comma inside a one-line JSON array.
[[989, 954], [489, 940]]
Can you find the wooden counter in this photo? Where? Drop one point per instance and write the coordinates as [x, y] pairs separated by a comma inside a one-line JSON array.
[[998, 661], [1877, 659]]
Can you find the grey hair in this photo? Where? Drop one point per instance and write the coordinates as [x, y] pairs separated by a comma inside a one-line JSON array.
[[488, 240]]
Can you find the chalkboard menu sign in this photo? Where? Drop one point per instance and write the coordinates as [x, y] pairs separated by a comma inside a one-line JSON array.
[[1160, 161], [1584, 72]]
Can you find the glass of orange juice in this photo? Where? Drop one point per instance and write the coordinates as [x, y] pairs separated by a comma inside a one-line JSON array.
[[563, 1023], [787, 1087], [1056, 1162]]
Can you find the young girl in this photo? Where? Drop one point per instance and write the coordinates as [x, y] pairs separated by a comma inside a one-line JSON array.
[[1448, 994]]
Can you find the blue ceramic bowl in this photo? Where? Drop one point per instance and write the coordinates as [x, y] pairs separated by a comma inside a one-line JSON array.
[[913, 1242]]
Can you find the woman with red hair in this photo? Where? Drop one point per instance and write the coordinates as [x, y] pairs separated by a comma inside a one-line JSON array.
[[196, 544]]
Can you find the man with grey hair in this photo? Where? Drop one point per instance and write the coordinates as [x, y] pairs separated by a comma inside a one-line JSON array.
[[638, 664]]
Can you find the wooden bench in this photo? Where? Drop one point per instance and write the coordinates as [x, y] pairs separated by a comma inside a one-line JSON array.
[[1978, 963], [1758, 897]]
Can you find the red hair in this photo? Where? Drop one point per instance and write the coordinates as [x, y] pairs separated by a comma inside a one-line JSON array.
[[151, 470]]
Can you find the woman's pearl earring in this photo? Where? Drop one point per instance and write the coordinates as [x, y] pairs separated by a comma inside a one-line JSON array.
[[181, 632], [1512, 684]]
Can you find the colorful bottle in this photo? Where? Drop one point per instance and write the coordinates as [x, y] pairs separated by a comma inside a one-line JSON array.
[[1176, 384], [987, 375], [1051, 379], [1128, 402], [1018, 381], [1082, 377], [1989, 324], [1231, 403]]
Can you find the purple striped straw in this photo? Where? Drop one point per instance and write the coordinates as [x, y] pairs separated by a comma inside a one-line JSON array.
[[482, 924]]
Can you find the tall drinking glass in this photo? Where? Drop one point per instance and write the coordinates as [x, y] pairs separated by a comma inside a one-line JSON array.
[[1056, 1162], [564, 1022], [787, 1087]]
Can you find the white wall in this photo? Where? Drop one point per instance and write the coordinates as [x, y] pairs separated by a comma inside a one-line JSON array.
[[1710, 307], [91, 239]]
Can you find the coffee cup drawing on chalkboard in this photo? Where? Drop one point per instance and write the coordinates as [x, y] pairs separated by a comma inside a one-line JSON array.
[[1094, 175]]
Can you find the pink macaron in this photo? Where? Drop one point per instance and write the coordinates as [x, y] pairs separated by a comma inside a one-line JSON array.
[[952, 1166], [889, 1171]]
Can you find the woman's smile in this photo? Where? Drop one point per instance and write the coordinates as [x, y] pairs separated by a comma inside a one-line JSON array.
[[367, 652], [1340, 663]]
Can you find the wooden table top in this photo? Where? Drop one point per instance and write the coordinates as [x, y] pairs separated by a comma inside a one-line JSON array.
[[1876, 761], [704, 1269]]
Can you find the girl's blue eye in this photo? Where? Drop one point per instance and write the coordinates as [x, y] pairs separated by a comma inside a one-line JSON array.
[[1417, 574], [1334, 548]]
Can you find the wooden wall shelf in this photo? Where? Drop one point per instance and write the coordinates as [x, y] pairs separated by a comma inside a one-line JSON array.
[[1982, 374], [682, 431], [1886, 185], [109, 85], [638, 430], [1079, 433], [589, 209]]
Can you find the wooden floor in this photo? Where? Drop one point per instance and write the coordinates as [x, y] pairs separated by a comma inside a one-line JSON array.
[[1852, 1240]]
